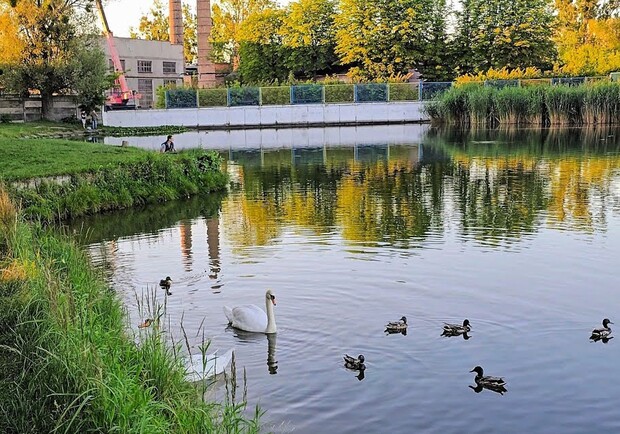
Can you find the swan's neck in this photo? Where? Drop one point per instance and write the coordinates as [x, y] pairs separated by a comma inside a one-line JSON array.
[[271, 318]]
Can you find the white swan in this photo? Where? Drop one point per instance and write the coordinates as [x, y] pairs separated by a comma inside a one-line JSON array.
[[252, 318], [199, 367]]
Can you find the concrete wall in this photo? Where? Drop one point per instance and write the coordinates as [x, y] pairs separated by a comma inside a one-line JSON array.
[[29, 109], [271, 116]]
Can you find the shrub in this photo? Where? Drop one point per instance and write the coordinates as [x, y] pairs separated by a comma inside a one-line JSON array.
[[213, 97], [404, 91], [278, 95], [339, 93]]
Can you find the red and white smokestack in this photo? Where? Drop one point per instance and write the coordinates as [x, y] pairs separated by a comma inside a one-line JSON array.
[[175, 21]]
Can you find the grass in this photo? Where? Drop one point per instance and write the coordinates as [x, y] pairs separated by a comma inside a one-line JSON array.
[[70, 363], [20, 130], [596, 103], [33, 158], [152, 178]]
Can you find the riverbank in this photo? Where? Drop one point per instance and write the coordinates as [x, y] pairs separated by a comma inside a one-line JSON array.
[[540, 105], [71, 363], [55, 179]]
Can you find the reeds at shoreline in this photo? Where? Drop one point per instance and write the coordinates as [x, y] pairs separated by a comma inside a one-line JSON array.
[[475, 105]]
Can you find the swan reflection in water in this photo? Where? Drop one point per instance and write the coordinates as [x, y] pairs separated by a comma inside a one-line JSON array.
[[248, 337]]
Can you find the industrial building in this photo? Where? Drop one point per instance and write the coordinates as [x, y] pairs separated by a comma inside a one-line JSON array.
[[149, 64]]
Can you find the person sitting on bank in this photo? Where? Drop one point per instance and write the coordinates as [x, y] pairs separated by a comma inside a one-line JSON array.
[[168, 145]]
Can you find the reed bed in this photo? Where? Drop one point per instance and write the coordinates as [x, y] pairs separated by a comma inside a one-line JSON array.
[[71, 362], [593, 103]]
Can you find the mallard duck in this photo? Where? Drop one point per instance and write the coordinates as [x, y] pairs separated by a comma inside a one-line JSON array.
[[456, 329], [147, 323], [166, 283], [353, 363], [602, 333], [397, 326], [497, 384]]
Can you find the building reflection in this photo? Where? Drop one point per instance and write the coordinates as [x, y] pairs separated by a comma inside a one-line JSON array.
[[185, 230]]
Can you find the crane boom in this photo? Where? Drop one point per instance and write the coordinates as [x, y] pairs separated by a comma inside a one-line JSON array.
[[125, 94]]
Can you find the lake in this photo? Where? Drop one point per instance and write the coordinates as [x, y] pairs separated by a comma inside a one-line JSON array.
[[518, 231]]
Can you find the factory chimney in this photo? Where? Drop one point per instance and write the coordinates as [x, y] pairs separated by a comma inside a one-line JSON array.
[[206, 68], [175, 21]]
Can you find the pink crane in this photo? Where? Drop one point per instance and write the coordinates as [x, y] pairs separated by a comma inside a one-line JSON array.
[[121, 97]]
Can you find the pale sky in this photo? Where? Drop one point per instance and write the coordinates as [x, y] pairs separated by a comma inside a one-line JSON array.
[[123, 14]]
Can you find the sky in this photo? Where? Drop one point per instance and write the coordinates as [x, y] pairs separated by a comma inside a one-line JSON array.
[[123, 14]]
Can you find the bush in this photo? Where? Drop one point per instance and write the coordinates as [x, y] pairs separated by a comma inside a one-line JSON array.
[[339, 93], [280, 95], [5, 118], [213, 97], [404, 91]]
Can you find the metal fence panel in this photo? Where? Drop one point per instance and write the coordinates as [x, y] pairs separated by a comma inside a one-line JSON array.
[[568, 81], [432, 90], [307, 94], [181, 98], [500, 84], [239, 96], [371, 92]]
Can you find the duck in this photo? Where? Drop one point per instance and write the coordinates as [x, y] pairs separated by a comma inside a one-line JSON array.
[[397, 326], [602, 333], [497, 384], [147, 323], [165, 283], [252, 318], [202, 366], [351, 362], [456, 329]]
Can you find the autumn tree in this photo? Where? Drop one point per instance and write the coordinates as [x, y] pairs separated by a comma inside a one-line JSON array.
[[308, 29], [57, 47], [588, 36], [262, 55], [155, 26], [381, 38], [228, 16]]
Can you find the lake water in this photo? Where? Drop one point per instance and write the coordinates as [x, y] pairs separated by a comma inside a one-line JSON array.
[[517, 231]]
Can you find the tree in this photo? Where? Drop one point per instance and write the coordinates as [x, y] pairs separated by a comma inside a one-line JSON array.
[[155, 26], [228, 16], [309, 30], [588, 37], [262, 56], [505, 33], [56, 42], [381, 38]]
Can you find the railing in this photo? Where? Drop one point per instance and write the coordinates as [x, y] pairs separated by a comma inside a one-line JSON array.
[[339, 93]]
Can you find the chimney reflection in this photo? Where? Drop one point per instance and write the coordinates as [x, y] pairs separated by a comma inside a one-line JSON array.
[[186, 244], [213, 241]]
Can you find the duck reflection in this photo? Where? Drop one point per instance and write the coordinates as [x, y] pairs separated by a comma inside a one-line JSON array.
[[603, 340], [465, 335], [497, 389], [272, 363]]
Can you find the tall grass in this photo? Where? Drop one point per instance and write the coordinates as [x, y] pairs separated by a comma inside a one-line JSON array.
[[470, 105], [155, 178], [70, 362]]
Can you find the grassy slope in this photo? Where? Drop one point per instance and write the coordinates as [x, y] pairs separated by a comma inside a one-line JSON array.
[[68, 362]]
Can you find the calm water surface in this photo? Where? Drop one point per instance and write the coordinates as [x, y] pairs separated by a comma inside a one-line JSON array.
[[519, 232]]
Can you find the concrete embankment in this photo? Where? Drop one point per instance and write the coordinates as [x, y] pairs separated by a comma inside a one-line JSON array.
[[284, 116]]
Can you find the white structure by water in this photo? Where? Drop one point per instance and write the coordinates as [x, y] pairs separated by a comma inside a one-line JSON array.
[[309, 115]]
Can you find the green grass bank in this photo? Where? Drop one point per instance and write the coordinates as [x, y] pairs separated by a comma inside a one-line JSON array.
[[71, 363], [542, 105], [55, 179]]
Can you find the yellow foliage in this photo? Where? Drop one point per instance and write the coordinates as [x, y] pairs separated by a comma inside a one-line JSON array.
[[11, 46], [8, 214], [501, 74], [18, 271]]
